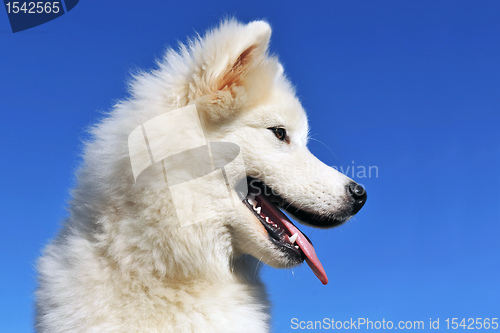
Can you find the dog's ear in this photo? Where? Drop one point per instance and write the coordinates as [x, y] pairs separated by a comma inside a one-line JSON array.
[[228, 62]]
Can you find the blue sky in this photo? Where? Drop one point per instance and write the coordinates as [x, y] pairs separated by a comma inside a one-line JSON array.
[[410, 88]]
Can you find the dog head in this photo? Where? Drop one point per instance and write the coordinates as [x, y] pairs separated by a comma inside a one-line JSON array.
[[243, 97]]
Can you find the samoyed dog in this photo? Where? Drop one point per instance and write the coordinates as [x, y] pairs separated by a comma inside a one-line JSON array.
[[182, 193]]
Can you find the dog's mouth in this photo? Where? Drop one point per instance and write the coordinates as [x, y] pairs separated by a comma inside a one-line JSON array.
[[265, 205]]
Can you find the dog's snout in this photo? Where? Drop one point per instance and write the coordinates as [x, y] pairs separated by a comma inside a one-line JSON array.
[[358, 193]]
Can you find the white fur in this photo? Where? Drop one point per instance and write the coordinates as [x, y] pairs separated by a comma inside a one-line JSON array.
[[118, 266]]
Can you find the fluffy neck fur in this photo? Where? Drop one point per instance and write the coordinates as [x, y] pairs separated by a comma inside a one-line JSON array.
[[125, 271]]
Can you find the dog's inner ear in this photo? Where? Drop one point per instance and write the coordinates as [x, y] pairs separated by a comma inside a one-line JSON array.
[[236, 74], [234, 88]]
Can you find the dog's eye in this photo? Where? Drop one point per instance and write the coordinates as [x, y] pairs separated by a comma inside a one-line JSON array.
[[280, 133]]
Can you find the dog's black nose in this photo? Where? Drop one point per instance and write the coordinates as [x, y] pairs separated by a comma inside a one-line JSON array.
[[358, 193]]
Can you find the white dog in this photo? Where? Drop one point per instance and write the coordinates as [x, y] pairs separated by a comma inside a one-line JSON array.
[[135, 256]]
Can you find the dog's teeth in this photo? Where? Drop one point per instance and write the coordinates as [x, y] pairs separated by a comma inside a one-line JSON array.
[[267, 219], [258, 209], [293, 238], [252, 202], [297, 247]]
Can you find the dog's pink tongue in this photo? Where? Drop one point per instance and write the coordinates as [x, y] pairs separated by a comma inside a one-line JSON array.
[[302, 241], [308, 249]]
